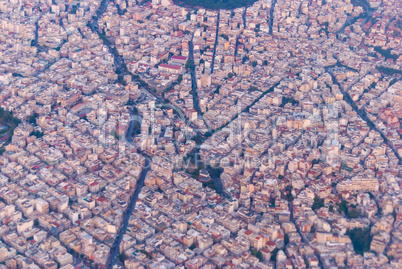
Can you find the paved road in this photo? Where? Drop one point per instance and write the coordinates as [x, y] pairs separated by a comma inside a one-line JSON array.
[[93, 24], [271, 16], [363, 115], [115, 249], [216, 42], [193, 77]]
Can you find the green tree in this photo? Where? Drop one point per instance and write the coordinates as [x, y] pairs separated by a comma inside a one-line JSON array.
[[225, 36], [38, 134], [273, 254], [272, 201], [188, 64], [361, 239], [343, 207], [33, 117], [286, 239], [211, 184], [318, 203], [214, 172], [353, 213], [198, 139], [257, 254], [122, 257], [146, 253]]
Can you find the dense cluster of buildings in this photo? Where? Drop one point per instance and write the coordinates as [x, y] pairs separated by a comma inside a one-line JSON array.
[[260, 137]]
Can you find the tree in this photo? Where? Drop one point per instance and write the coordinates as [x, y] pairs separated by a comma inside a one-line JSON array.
[[38, 134], [225, 36], [123, 257], [146, 253], [386, 53], [198, 139], [214, 172], [273, 255], [254, 64], [288, 193], [33, 117], [194, 174], [257, 254], [16, 121], [353, 213], [331, 208], [286, 239], [361, 239], [188, 64], [211, 184], [318, 203], [272, 201], [265, 62], [342, 207], [393, 81]]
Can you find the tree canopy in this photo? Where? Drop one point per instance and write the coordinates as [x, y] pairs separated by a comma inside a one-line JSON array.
[[318, 203], [361, 239]]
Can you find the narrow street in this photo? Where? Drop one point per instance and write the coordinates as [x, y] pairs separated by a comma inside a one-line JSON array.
[[244, 18], [366, 16], [216, 43], [271, 16], [122, 69], [238, 37], [363, 115], [35, 41], [193, 77], [247, 108], [140, 183]]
